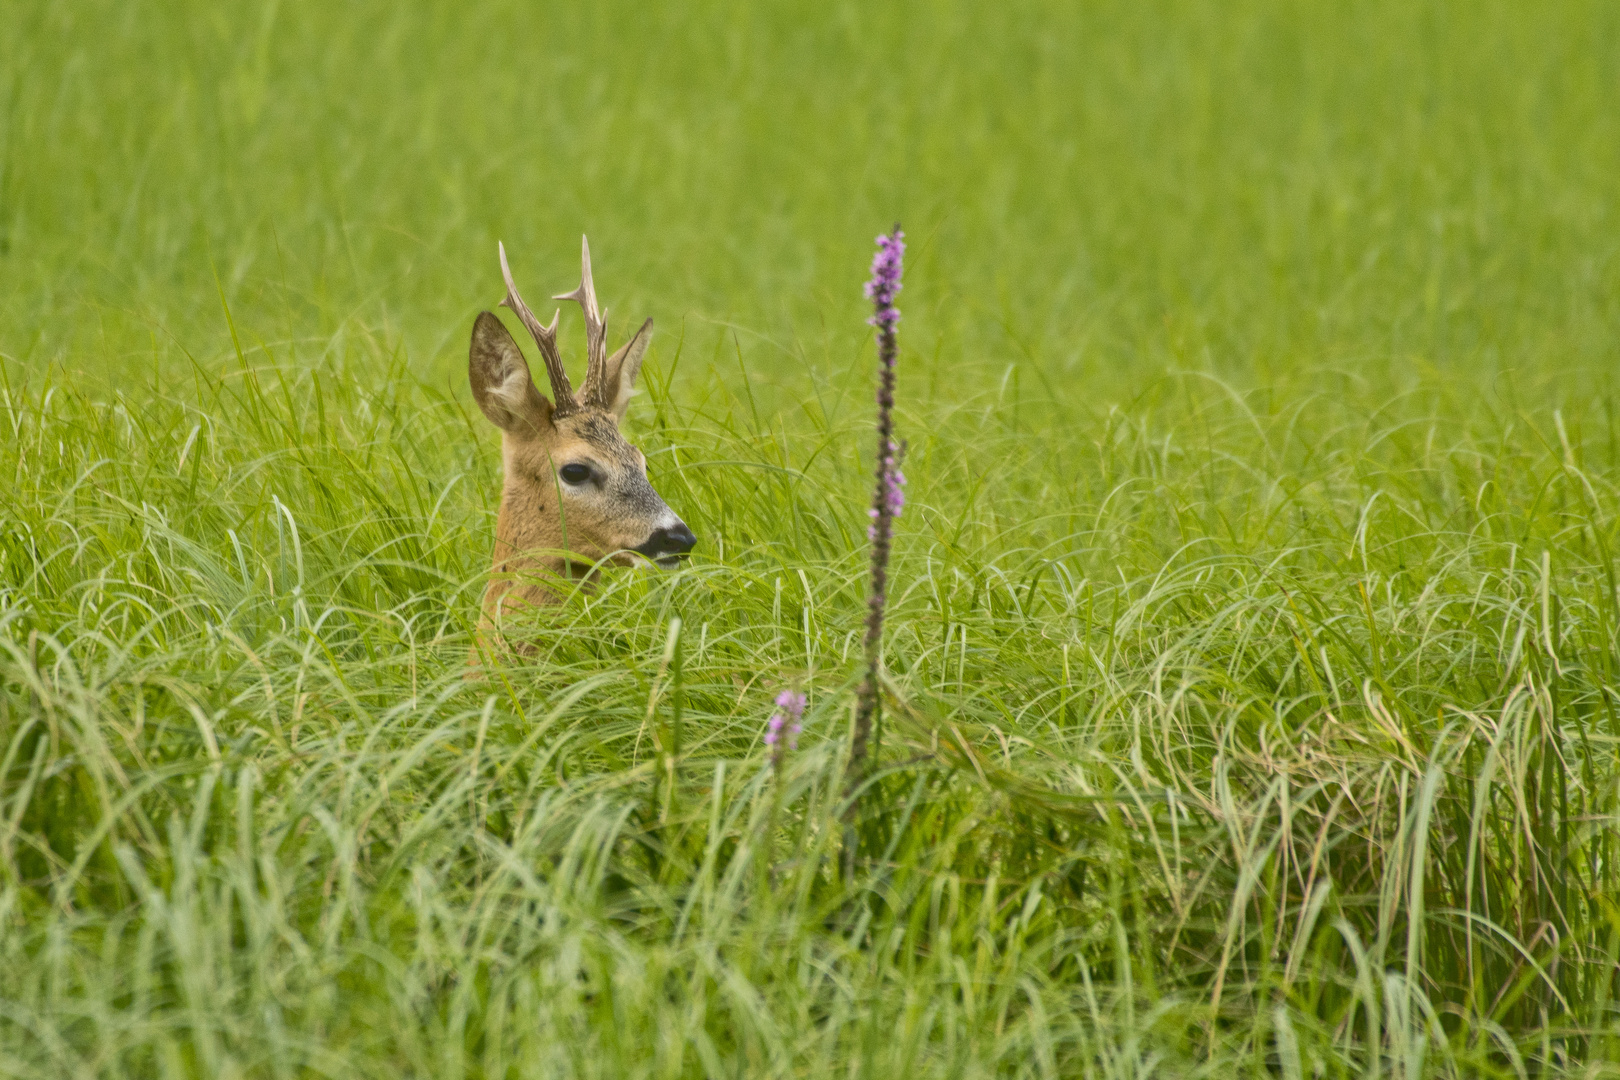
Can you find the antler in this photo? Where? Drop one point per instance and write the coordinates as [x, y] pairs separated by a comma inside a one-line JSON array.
[[562, 391], [593, 392]]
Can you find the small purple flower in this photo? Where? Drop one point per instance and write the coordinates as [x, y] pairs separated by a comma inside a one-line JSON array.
[[885, 283], [894, 483], [789, 712]]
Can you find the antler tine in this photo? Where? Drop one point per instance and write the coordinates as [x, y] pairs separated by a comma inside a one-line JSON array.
[[562, 391], [595, 328]]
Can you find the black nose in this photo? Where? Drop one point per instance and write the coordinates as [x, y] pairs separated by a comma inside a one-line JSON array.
[[677, 539]]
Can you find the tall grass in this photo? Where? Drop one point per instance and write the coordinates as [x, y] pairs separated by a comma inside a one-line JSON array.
[[1251, 643]]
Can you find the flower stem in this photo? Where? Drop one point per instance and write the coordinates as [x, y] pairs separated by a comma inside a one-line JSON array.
[[887, 500]]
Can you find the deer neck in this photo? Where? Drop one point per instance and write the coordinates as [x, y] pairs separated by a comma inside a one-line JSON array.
[[528, 532]]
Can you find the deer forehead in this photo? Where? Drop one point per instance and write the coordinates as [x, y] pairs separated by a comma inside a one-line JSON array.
[[590, 434]]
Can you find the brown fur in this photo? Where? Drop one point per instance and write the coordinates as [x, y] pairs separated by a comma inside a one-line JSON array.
[[549, 530]]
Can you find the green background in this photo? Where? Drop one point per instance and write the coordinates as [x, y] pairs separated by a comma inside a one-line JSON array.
[[1111, 188]]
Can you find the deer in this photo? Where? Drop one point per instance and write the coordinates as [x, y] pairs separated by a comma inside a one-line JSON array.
[[574, 491]]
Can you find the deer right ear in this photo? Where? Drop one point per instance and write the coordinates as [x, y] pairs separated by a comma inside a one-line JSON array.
[[500, 379], [621, 369]]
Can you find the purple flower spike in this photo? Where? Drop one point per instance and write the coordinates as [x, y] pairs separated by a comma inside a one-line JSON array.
[[789, 711], [886, 268], [888, 496], [892, 489], [894, 492]]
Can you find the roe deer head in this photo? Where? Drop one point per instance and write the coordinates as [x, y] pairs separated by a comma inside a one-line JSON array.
[[575, 492]]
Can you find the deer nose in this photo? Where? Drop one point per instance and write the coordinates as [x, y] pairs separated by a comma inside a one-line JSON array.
[[669, 540]]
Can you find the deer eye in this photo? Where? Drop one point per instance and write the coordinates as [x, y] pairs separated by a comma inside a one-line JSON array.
[[575, 473]]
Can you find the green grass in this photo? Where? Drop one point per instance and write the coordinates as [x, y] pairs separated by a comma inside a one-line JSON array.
[[1252, 656]]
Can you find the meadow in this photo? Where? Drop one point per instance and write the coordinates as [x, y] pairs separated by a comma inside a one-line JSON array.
[[1252, 672]]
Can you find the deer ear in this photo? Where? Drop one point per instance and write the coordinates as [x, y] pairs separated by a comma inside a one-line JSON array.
[[500, 379], [621, 371]]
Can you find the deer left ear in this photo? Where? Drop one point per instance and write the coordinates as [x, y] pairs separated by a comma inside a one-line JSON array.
[[621, 371], [500, 379]]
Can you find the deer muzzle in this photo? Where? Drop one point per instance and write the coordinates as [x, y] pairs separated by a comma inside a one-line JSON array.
[[668, 543]]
